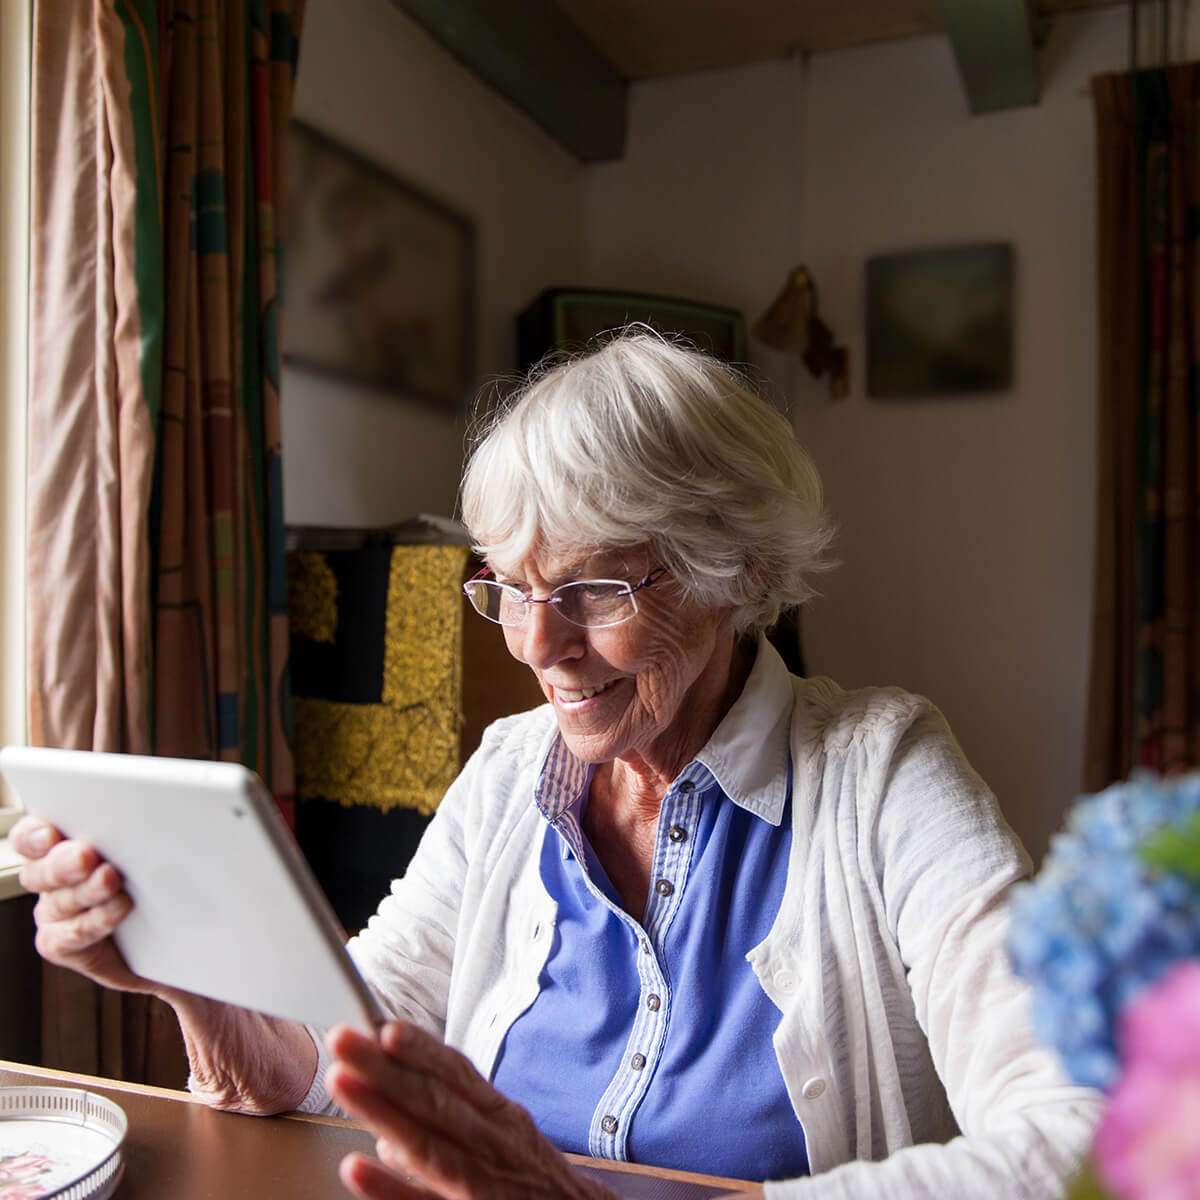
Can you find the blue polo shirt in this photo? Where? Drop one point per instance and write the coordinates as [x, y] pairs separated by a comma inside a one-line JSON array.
[[650, 1041]]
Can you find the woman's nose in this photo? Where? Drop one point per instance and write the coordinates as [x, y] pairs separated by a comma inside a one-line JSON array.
[[546, 638]]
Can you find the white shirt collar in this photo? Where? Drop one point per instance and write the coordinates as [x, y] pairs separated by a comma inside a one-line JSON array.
[[748, 751]]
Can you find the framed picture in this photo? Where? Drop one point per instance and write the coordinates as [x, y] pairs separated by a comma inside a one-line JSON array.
[[940, 321], [378, 276], [570, 318]]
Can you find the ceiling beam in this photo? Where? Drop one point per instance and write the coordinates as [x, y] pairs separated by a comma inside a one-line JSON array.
[[535, 56], [993, 42]]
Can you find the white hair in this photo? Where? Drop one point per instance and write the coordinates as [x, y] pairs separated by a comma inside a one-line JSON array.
[[645, 442]]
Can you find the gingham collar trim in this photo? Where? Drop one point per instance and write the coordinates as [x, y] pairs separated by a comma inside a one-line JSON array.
[[562, 780]]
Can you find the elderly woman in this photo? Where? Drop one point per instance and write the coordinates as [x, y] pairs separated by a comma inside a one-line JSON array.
[[693, 911]]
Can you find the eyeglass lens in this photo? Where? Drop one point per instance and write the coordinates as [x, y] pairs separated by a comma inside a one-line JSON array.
[[590, 603]]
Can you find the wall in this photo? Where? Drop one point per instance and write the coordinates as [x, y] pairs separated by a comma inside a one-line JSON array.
[[966, 526], [372, 79], [704, 203]]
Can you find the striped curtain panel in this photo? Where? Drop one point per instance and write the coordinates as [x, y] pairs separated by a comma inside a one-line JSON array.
[[156, 602], [1144, 703]]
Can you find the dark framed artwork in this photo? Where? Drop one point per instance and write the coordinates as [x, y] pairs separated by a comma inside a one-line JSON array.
[[379, 276], [940, 321], [573, 318]]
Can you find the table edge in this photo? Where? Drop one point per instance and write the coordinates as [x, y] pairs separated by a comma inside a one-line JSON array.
[[75, 1079], [669, 1173]]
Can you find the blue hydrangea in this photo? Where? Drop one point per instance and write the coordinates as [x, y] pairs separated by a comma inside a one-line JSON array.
[[1099, 924]]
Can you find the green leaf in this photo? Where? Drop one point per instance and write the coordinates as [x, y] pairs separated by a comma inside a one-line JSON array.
[[1176, 849]]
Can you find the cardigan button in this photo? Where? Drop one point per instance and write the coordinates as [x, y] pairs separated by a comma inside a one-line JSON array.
[[813, 1088], [785, 981], [609, 1124]]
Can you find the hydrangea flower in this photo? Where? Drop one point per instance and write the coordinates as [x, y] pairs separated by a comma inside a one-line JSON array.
[[1148, 1145], [1102, 922]]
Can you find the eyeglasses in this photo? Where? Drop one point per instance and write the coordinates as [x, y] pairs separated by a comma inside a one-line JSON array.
[[590, 603]]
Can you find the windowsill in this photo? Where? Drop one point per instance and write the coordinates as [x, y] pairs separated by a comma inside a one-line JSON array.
[[10, 866]]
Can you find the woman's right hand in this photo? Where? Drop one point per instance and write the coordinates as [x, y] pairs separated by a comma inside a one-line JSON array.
[[80, 902], [239, 1059]]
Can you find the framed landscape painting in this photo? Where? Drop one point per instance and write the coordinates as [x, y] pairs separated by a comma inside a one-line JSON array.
[[378, 277], [940, 321]]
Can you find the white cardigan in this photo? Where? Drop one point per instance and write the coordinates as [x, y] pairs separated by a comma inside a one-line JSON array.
[[886, 960]]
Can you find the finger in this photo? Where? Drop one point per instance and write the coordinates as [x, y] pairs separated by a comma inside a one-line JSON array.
[[431, 1158], [369, 1179], [31, 837], [102, 884], [418, 1050], [396, 1161], [61, 939], [503, 1159], [420, 1094], [65, 865], [415, 1050]]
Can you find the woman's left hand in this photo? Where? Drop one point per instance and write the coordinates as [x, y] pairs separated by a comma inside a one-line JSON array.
[[442, 1129]]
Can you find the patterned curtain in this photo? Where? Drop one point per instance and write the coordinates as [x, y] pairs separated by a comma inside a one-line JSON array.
[[1144, 704], [156, 598]]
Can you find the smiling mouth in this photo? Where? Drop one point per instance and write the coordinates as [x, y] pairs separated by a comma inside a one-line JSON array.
[[575, 697]]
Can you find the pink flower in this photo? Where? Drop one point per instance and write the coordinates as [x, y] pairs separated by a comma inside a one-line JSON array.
[[1148, 1145]]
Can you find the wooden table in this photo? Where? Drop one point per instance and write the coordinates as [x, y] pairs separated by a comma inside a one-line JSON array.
[[178, 1148]]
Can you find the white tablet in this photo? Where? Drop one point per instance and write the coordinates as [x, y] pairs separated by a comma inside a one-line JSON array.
[[224, 904]]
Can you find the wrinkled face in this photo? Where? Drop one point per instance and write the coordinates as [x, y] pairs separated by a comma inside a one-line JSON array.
[[621, 691]]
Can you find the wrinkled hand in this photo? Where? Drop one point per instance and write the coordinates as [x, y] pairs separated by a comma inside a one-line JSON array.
[[80, 902], [443, 1130]]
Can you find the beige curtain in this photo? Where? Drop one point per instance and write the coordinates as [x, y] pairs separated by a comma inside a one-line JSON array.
[[91, 456], [156, 604]]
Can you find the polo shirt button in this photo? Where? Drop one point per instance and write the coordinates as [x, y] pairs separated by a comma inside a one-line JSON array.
[[785, 981], [687, 786], [813, 1088], [637, 1062], [653, 1003], [664, 887], [677, 833], [609, 1124]]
